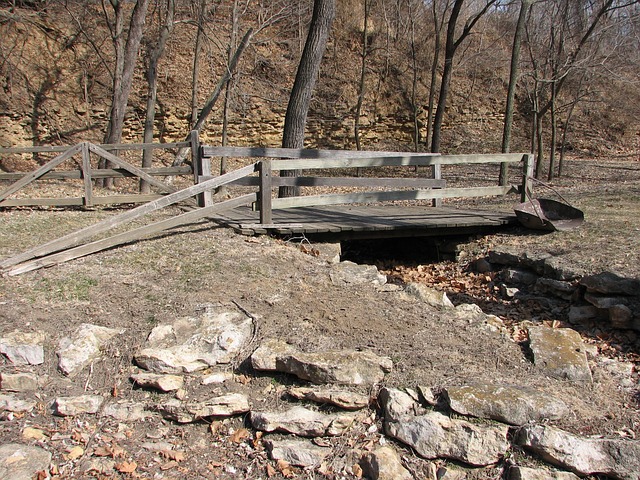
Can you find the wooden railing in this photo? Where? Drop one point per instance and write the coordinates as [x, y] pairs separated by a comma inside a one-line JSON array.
[[435, 189], [87, 173]]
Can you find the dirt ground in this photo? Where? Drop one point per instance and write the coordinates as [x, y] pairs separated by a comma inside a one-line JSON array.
[[140, 285]]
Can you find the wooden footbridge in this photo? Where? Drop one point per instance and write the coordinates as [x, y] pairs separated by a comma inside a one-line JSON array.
[[354, 207]]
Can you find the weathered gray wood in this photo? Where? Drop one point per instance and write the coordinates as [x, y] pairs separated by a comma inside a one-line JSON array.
[[76, 201], [103, 173], [130, 236], [526, 189], [260, 152], [86, 175], [436, 173], [119, 146], [30, 177], [127, 166], [265, 190], [342, 182], [76, 237], [403, 195]]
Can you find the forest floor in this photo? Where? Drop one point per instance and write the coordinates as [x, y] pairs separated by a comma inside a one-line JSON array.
[[143, 284]]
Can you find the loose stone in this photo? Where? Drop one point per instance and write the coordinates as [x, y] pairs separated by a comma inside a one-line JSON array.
[[526, 473], [71, 406], [384, 464], [303, 422], [349, 273], [515, 405], [22, 348], [338, 398], [22, 462], [616, 458], [560, 353], [164, 383], [299, 453], [19, 382], [11, 403], [84, 347]]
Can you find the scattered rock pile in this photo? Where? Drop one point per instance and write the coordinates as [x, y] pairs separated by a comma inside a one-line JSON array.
[[475, 428]]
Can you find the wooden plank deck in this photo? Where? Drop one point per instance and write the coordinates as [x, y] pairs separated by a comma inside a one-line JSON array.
[[367, 221]]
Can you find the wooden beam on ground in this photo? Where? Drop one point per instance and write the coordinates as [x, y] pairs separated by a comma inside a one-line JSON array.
[[78, 201], [74, 238], [130, 236], [402, 195], [30, 177]]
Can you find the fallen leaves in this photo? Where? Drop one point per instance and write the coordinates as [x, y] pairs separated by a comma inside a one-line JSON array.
[[126, 467]]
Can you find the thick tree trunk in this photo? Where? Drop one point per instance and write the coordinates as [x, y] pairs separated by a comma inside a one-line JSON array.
[[300, 98], [363, 72]]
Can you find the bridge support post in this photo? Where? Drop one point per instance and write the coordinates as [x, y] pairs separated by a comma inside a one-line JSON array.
[[266, 185]]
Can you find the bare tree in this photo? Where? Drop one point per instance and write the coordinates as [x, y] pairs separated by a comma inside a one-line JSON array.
[[152, 84], [126, 55], [308, 68], [451, 46]]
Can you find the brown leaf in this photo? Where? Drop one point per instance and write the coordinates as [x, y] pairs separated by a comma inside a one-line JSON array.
[[42, 475], [126, 467], [271, 471], [169, 465], [240, 435], [357, 470], [285, 468], [174, 455]]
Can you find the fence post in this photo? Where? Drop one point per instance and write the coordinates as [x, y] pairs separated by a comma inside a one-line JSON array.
[[86, 175], [201, 166], [526, 189], [266, 184], [436, 174]]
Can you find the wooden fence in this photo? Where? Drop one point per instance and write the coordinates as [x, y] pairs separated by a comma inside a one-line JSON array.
[[75, 244], [87, 173]]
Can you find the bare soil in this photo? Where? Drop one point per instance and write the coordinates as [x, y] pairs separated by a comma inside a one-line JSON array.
[[289, 292]]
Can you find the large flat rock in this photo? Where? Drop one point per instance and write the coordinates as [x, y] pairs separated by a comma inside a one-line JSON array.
[[560, 353]]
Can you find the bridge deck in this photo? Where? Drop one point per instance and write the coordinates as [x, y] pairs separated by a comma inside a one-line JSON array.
[[367, 221]]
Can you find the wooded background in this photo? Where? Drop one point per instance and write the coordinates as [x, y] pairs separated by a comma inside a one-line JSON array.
[[395, 75]]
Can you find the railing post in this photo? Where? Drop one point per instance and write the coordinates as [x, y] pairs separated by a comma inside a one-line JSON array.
[[436, 174], [201, 166], [86, 175], [526, 189], [266, 184]]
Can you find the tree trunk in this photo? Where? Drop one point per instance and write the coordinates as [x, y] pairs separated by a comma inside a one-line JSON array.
[[434, 68], [554, 135], [300, 98], [511, 91], [196, 63], [126, 59], [449, 52], [363, 72], [152, 80]]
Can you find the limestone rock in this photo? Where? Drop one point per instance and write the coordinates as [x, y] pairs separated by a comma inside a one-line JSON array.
[[349, 273], [341, 367], [264, 358], [434, 435], [474, 314], [76, 353], [11, 403], [604, 301], [560, 353], [384, 464], [616, 458], [125, 411], [331, 396], [519, 277], [188, 412], [299, 453], [22, 462], [192, 344], [564, 290], [19, 382], [526, 473], [216, 378], [515, 405], [71, 406], [579, 314], [620, 316], [23, 348], [303, 422], [164, 383], [609, 283], [429, 295]]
